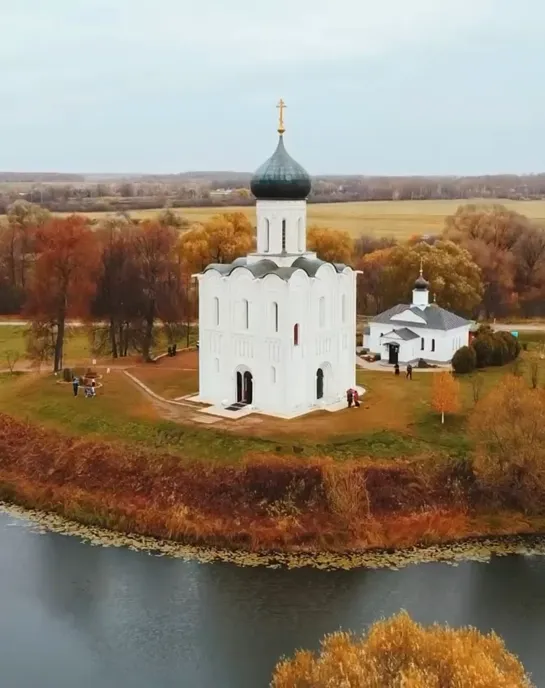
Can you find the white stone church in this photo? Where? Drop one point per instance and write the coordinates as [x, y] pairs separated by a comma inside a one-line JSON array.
[[408, 332], [277, 328]]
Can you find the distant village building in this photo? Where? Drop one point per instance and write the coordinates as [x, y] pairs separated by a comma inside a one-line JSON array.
[[408, 332], [221, 192], [277, 328]]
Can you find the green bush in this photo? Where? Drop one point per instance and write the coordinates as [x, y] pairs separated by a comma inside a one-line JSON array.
[[495, 348], [484, 350], [512, 344], [464, 360]]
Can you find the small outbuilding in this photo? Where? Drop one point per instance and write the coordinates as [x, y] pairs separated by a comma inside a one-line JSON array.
[[407, 333]]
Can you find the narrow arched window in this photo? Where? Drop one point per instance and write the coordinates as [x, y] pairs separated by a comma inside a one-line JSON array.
[[296, 334], [246, 313], [433, 344], [283, 236], [343, 308], [273, 375], [275, 316], [216, 311], [217, 364], [422, 344], [321, 311], [267, 236], [300, 235]]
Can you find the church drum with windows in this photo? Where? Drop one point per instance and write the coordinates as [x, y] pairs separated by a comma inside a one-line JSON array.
[[277, 328]]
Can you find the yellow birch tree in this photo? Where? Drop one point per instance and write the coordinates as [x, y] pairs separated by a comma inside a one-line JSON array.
[[445, 394]]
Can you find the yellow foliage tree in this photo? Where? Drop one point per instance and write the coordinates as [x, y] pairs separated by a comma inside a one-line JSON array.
[[220, 240], [445, 394], [455, 279], [400, 653], [332, 245], [508, 427]]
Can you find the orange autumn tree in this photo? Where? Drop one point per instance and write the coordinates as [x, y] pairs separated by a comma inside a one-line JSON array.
[[64, 279], [445, 394], [400, 653], [222, 239], [332, 245], [508, 429]]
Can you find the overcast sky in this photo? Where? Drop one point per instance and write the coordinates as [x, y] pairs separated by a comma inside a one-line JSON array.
[[372, 86]]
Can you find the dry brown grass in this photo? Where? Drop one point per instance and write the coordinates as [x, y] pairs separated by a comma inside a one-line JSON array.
[[346, 492], [400, 653], [262, 503]]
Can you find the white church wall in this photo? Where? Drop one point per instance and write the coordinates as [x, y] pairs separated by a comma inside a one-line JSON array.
[[438, 345], [284, 374]]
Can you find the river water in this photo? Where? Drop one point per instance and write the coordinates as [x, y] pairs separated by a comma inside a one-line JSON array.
[[73, 615]]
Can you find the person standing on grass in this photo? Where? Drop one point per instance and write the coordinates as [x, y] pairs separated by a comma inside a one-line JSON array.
[[75, 385], [409, 372], [349, 397], [356, 399]]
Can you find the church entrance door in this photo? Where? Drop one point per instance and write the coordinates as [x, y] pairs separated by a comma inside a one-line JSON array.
[[248, 388], [245, 387], [319, 383], [393, 356]]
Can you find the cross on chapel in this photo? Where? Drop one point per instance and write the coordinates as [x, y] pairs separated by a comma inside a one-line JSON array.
[[281, 106]]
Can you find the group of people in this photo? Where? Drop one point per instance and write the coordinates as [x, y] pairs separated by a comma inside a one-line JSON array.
[[89, 386], [408, 374], [352, 396]]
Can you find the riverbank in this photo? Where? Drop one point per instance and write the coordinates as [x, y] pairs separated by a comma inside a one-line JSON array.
[[309, 509]]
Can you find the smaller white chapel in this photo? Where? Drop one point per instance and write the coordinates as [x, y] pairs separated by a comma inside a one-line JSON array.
[[277, 328], [420, 330]]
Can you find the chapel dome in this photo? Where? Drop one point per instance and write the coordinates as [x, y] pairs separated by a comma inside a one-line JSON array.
[[281, 178], [421, 284]]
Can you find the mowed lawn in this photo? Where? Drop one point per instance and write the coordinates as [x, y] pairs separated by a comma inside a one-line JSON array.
[[77, 349], [399, 219], [12, 339]]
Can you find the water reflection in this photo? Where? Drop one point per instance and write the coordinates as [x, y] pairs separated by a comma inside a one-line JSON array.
[[89, 616]]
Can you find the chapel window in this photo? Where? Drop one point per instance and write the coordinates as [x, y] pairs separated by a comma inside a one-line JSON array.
[[321, 311], [267, 236], [246, 313], [296, 334]]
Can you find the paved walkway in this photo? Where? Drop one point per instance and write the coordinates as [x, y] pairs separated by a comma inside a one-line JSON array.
[[380, 367]]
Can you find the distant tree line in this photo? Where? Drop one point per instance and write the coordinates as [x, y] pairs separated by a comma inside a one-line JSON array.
[[78, 193], [130, 275]]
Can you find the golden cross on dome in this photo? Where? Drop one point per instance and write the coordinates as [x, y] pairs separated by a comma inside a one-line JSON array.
[[281, 105], [421, 266]]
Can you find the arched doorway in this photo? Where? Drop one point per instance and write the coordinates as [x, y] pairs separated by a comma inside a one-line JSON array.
[[248, 387], [245, 387], [319, 383]]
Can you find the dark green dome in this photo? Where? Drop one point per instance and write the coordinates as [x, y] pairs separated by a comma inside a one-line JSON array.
[[280, 178], [421, 284]]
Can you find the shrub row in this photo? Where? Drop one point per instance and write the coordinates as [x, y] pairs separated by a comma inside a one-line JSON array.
[[488, 348]]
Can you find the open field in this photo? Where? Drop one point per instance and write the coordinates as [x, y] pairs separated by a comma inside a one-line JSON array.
[[399, 219]]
